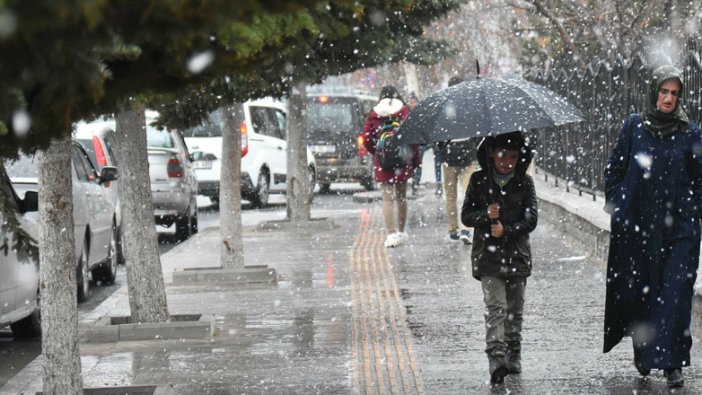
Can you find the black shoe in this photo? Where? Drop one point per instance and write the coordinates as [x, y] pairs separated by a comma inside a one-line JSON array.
[[674, 377], [498, 367], [644, 371], [514, 357]]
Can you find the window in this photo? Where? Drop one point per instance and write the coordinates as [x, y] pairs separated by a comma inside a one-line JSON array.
[[280, 129], [158, 138], [81, 162], [111, 145], [334, 116], [24, 167], [261, 121]]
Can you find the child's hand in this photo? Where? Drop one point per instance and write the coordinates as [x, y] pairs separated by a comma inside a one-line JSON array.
[[497, 230], [494, 211]]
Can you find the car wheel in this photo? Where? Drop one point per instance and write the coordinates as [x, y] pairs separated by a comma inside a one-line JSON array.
[[30, 326], [83, 278], [120, 250], [312, 180], [107, 272], [184, 226], [324, 187], [260, 197], [193, 222]]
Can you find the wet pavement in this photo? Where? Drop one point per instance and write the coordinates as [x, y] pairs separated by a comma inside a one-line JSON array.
[[349, 316]]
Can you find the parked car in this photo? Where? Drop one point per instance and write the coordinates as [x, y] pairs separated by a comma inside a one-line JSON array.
[[99, 140], [334, 126], [263, 152], [94, 214], [173, 179], [19, 269]]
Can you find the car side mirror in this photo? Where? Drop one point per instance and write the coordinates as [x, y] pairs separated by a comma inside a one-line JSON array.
[[108, 173], [30, 202]]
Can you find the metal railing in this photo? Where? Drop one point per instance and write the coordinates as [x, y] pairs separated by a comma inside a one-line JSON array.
[[606, 93]]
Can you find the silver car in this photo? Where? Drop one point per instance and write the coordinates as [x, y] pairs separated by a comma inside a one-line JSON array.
[[94, 214], [173, 181], [19, 269]]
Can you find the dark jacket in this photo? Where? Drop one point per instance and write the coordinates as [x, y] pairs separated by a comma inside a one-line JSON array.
[[510, 255], [384, 110], [459, 153], [653, 187]]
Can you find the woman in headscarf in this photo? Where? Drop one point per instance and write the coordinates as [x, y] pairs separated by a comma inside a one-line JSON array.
[[653, 190]]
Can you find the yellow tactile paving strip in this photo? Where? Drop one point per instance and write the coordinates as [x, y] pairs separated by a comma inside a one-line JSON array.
[[383, 356]]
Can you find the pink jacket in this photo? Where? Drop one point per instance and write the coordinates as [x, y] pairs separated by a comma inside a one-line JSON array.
[[385, 109]]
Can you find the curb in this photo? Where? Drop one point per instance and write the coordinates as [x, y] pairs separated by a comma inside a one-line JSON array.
[[203, 276], [109, 329]]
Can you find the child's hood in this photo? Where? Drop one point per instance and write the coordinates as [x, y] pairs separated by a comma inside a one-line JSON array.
[[525, 154]]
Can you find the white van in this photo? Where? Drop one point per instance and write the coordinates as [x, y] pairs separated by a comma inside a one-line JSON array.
[[263, 152]]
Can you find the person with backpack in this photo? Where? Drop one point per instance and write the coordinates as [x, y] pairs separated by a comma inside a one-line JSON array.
[[501, 205], [457, 158], [393, 162]]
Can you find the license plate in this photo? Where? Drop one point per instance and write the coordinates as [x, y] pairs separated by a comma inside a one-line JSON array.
[[202, 164], [323, 149]]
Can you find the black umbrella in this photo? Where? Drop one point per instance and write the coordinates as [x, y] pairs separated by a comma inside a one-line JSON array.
[[484, 107]]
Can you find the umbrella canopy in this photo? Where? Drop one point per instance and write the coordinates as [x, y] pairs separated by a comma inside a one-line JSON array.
[[484, 107]]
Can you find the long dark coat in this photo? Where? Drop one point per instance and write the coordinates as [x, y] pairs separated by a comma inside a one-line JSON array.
[[653, 190], [510, 255]]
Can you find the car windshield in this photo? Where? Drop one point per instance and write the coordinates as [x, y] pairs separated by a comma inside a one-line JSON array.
[[24, 167], [158, 138], [330, 116]]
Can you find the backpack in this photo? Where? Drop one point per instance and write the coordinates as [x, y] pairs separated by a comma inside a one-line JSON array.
[[390, 152]]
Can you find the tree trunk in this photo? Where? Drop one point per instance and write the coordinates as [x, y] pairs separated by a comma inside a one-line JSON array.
[[147, 293], [412, 83], [298, 197], [59, 310], [230, 227]]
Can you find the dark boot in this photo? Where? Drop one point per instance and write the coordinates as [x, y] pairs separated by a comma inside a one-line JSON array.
[[674, 377], [514, 357], [498, 366], [644, 371]]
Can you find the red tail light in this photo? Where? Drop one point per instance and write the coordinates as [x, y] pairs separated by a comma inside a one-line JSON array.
[[362, 152], [99, 152], [174, 168], [244, 139]]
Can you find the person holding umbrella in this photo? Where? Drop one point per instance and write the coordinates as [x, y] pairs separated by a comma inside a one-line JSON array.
[[500, 203], [458, 163], [653, 191], [393, 182]]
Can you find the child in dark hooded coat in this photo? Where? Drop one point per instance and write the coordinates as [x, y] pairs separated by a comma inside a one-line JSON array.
[[501, 205]]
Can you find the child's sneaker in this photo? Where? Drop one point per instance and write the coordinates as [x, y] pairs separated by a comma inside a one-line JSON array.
[[453, 236], [497, 366], [465, 236], [393, 240]]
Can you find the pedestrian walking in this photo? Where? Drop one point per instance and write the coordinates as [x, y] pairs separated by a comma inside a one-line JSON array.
[[412, 102], [653, 191], [501, 205], [393, 181], [459, 162]]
